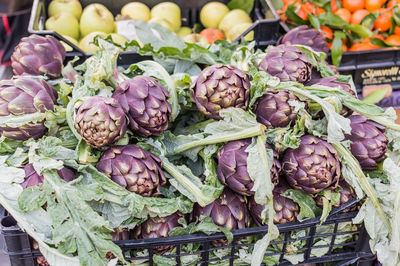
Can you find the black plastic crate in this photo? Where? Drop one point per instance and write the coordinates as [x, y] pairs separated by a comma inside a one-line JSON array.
[[265, 26], [354, 252]]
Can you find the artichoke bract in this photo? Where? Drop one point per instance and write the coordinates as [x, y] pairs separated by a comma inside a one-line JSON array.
[[333, 82], [369, 143], [232, 167], [219, 87], [155, 227], [133, 168], [145, 102], [229, 211], [313, 166], [32, 178], [347, 193], [305, 36], [38, 55], [287, 63], [100, 121], [286, 210], [23, 96], [274, 110]]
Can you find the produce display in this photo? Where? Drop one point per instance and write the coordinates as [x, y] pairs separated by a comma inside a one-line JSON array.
[[347, 25], [197, 140], [80, 27]]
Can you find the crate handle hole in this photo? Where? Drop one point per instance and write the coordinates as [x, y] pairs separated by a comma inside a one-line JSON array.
[[8, 222]]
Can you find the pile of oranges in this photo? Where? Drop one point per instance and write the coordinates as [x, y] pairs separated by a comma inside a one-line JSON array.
[[352, 11]]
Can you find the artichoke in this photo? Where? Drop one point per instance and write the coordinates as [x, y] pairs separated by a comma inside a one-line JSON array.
[[134, 168], [100, 121], [286, 210], [219, 87], [273, 109], [347, 193], [334, 83], [313, 166], [146, 103], [287, 63], [315, 75], [155, 227], [369, 143], [32, 178], [305, 36], [23, 96], [232, 167], [229, 210], [38, 55]]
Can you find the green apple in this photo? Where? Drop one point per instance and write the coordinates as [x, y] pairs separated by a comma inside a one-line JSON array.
[[238, 29], [64, 24], [168, 11], [70, 6], [233, 18], [72, 40], [163, 22], [119, 39], [87, 45], [182, 32], [196, 38], [96, 17], [136, 11], [212, 13]]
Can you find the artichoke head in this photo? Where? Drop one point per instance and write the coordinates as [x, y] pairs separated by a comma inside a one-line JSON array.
[[32, 178], [219, 87], [133, 168]]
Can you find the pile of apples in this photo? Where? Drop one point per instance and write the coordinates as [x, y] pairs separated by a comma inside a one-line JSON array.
[[67, 18]]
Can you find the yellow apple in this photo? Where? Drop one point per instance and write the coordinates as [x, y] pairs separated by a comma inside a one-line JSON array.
[[136, 11], [163, 22], [233, 18], [64, 24], [182, 32], [86, 44], [168, 11], [237, 30], [72, 40], [96, 17], [119, 39], [70, 6], [212, 13], [196, 38]]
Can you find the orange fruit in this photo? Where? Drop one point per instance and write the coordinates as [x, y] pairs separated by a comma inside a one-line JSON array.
[[393, 39], [319, 11], [373, 5], [334, 6], [383, 22], [362, 46], [303, 12], [212, 35], [397, 30], [344, 14], [392, 3], [358, 16], [353, 5], [326, 32]]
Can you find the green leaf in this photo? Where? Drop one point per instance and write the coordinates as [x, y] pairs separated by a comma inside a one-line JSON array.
[[314, 21], [369, 20], [337, 51], [376, 96], [292, 15], [246, 5], [360, 30], [332, 20], [308, 208]]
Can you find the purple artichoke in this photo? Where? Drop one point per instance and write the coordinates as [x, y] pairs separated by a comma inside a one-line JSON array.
[[145, 102], [313, 166], [219, 87], [273, 109], [156, 227], [347, 193], [32, 178], [229, 210], [23, 96], [232, 167], [38, 55], [100, 121], [369, 143], [334, 83], [287, 63], [305, 36], [286, 210], [133, 168]]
